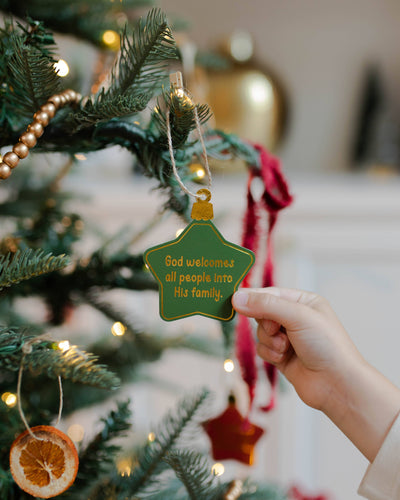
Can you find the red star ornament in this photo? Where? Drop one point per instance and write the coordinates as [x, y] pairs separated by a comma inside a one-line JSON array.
[[233, 436]]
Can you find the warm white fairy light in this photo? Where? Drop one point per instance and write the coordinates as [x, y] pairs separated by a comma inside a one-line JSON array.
[[218, 469], [200, 172], [76, 432], [64, 345], [229, 365], [118, 329], [9, 399], [151, 437], [111, 39], [61, 67], [80, 156], [124, 467]]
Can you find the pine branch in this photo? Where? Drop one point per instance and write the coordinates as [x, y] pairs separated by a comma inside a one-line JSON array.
[[143, 63], [86, 19], [194, 471], [150, 460], [30, 78], [137, 76], [107, 272], [6, 484], [20, 266], [47, 358], [182, 118], [99, 454]]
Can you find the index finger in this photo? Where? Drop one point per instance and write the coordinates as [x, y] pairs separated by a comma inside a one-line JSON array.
[[287, 307]]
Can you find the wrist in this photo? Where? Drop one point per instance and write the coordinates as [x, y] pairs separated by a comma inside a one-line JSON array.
[[363, 404]]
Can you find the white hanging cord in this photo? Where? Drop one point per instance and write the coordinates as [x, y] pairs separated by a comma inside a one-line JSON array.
[[206, 165], [27, 348], [177, 77]]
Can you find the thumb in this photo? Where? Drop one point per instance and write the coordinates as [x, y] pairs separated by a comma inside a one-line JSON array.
[[288, 307]]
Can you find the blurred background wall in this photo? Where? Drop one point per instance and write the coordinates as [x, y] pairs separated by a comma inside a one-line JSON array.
[[321, 51]]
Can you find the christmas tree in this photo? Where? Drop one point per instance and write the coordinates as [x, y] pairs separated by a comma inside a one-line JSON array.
[[39, 236]]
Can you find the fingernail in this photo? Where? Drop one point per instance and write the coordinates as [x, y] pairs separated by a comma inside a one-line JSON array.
[[241, 298]]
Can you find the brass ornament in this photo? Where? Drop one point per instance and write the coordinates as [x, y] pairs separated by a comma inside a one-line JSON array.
[[247, 99]]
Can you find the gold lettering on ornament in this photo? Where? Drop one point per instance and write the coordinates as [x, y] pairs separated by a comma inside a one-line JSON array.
[[202, 284]]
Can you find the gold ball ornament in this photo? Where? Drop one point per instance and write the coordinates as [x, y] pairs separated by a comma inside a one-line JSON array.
[[56, 100], [29, 139], [36, 128], [49, 108], [5, 171], [11, 159], [247, 99], [42, 117], [70, 94], [63, 99], [21, 150]]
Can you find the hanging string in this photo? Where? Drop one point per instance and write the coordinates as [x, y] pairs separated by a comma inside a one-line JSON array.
[[26, 349], [201, 138], [172, 156]]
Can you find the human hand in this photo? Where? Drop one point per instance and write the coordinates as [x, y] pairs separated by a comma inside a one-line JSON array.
[[313, 351], [317, 356]]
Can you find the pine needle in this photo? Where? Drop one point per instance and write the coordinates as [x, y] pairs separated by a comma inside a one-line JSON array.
[[46, 358], [30, 77], [99, 453], [139, 71], [151, 459], [19, 266], [194, 471]]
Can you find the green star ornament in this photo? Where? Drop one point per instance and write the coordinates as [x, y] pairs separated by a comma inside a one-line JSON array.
[[199, 271]]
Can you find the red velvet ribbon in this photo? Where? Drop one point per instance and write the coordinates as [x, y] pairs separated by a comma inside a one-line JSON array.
[[296, 494], [274, 198]]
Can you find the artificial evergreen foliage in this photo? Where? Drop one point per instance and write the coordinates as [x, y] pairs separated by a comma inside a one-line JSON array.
[[46, 357], [86, 20], [28, 264], [38, 256], [193, 470], [96, 458]]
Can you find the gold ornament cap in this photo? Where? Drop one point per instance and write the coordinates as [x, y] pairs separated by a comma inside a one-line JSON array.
[[202, 209]]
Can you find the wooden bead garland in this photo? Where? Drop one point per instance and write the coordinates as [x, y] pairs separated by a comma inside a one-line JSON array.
[[35, 130]]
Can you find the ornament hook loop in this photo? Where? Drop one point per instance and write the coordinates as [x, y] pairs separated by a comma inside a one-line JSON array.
[[203, 192], [202, 208]]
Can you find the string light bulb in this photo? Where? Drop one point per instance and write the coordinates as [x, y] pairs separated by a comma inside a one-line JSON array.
[[229, 365], [218, 469], [76, 432], [111, 39], [61, 68], [9, 399], [124, 467], [151, 437], [118, 329], [64, 345], [79, 156], [198, 172]]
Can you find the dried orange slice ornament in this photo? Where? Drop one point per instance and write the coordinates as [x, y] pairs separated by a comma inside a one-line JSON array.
[[43, 467]]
